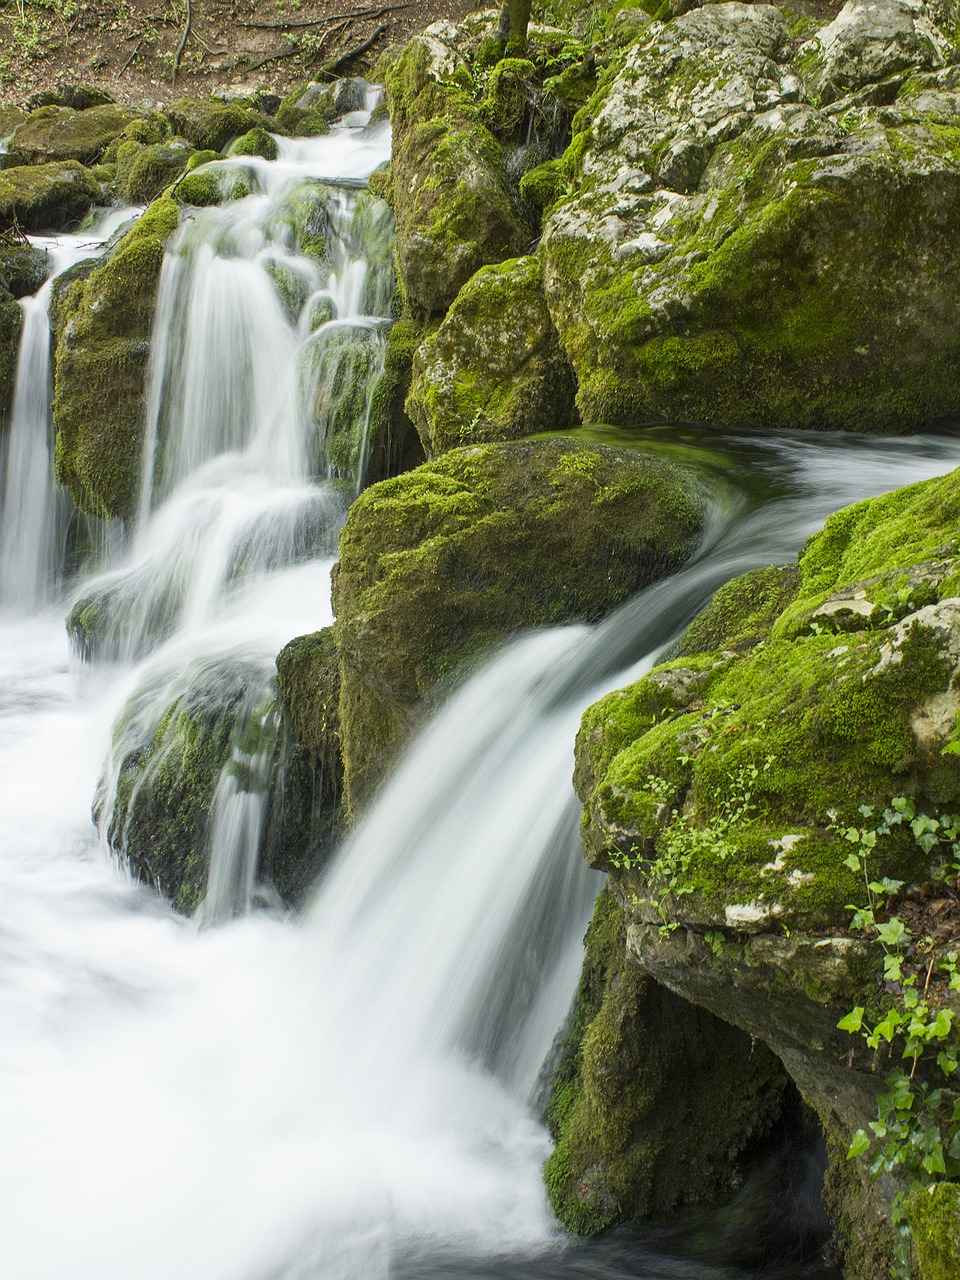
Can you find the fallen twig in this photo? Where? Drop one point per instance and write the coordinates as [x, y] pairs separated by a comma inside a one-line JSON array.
[[137, 49], [371, 13], [182, 45], [333, 68]]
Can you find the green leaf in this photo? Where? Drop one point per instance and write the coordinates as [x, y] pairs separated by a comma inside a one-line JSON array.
[[853, 1021], [852, 861], [858, 1145], [892, 932]]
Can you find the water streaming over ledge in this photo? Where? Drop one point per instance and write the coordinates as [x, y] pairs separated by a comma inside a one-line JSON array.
[[342, 1096]]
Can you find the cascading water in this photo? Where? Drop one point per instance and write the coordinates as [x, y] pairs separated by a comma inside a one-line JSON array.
[[342, 1096], [28, 517]]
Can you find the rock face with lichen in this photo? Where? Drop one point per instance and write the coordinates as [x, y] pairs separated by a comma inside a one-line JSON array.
[[439, 564], [717, 791], [494, 369], [759, 233]]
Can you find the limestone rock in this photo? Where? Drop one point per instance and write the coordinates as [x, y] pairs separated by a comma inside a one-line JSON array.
[[56, 133], [451, 196], [732, 252], [439, 564], [494, 369], [100, 367], [46, 197]]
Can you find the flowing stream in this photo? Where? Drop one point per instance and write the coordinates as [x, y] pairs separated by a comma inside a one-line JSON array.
[[345, 1094]]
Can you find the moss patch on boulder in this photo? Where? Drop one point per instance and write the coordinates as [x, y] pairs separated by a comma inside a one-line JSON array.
[[734, 253], [639, 1066], [210, 123], [100, 368], [59, 133], [46, 197], [439, 564], [494, 369], [144, 171], [450, 193], [934, 1216]]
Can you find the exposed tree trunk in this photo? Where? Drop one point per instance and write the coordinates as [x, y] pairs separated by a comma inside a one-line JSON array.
[[514, 17]]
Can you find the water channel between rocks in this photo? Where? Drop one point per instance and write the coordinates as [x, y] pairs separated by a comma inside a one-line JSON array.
[[347, 1093]]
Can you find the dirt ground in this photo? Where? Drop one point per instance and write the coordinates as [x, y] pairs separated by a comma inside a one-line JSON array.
[[156, 50]]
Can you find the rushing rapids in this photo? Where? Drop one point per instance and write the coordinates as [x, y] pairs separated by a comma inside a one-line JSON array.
[[347, 1094]]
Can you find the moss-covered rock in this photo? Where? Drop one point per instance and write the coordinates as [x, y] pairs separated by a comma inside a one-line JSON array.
[[144, 171], [718, 790], [11, 326], [494, 369], [46, 197], [439, 564], [639, 1066], [212, 184], [934, 1216], [450, 192], [60, 133], [23, 268], [734, 253], [10, 117], [308, 690], [100, 368], [210, 123], [257, 142]]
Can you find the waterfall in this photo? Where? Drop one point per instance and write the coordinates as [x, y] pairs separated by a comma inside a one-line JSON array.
[[29, 568], [344, 1094]]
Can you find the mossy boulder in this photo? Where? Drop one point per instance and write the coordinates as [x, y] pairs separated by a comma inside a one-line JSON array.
[[46, 197], [211, 184], [183, 743], [934, 1216], [210, 123], [640, 1065], [145, 170], [308, 691], [10, 117], [257, 142], [23, 268], [494, 369], [441, 563], [451, 195], [718, 791], [100, 368], [733, 252], [60, 133]]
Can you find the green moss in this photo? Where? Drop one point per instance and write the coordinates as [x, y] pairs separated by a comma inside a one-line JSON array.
[[743, 611], [168, 772], [494, 369], [308, 690], [791, 719], [144, 171], [544, 185], [210, 123], [212, 185], [255, 143], [11, 324], [46, 197], [438, 564], [638, 1064], [934, 1217], [770, 318], [903, 547], [100, 368], [59, 133], [451, 195], [509, 95]]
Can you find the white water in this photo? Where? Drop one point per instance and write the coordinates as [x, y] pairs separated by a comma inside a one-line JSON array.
[[342, 1096], [28, 515]]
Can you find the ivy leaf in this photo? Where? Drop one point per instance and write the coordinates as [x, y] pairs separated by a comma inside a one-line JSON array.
[[892, 932], [852, 861], [859, 1144], [853, 1021]]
